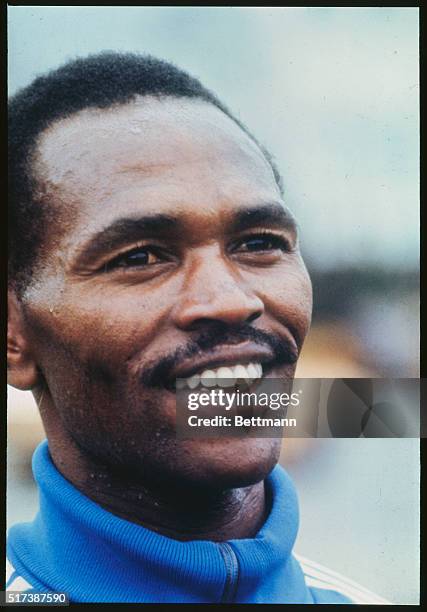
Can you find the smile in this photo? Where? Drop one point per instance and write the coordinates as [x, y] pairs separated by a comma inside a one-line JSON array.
[[222, 376]]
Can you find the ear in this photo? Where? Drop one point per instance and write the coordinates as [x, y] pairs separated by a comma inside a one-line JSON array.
[[21, 368]]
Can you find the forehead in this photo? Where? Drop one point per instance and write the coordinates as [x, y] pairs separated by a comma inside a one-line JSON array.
[[151, 154]]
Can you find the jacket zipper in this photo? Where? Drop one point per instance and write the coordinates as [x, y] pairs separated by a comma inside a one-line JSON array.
[[232, 569]]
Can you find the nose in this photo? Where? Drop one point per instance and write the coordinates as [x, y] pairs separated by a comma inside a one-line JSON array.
[[213, 291]]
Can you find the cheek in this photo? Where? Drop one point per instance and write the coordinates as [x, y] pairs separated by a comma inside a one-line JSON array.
[[85, 349], [98, 326], [287, 295]]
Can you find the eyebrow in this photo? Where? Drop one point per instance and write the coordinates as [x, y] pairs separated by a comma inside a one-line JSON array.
[[125, 230], [274, 215]]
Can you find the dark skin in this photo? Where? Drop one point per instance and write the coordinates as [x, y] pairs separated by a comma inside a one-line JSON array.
[[168, 223]]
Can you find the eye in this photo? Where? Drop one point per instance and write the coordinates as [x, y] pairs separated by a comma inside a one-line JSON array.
[[138, 257], [262, 243]]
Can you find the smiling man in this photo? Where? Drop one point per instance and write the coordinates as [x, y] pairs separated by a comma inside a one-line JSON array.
[[150, 242]]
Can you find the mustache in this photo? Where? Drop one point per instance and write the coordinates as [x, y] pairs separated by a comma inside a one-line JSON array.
[[159, 373]]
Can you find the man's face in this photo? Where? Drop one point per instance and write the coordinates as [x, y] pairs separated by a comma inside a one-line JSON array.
[[170, 253]]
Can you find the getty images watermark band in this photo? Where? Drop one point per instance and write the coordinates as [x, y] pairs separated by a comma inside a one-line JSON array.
[[302, 407]]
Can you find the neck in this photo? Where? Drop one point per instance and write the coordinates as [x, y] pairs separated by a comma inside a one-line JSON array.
[[149, 567], [182, 513]]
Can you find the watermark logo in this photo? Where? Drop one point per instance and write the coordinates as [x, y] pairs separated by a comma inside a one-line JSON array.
[[349, 408]]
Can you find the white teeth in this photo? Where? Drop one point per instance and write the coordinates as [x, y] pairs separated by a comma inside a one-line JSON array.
[[208, 378], [224, 376], [193, 381], [240, 372], [252, 371]]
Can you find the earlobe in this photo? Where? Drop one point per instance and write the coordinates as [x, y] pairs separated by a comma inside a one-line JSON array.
[[22, 371]]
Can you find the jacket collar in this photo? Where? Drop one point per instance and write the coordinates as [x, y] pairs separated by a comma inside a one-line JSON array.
[[74, 545]]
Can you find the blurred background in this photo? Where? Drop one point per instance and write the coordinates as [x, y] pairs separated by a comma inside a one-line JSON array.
[[333, 94]]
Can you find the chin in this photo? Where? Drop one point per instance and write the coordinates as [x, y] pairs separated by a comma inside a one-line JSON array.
[[226, 463]]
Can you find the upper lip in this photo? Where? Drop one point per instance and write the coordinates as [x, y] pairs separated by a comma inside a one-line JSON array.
[[225, 355]]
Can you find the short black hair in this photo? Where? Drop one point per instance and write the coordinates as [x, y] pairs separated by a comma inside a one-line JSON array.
[[97, 81]]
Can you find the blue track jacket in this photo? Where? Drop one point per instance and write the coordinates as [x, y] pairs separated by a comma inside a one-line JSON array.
[[74, 545]]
